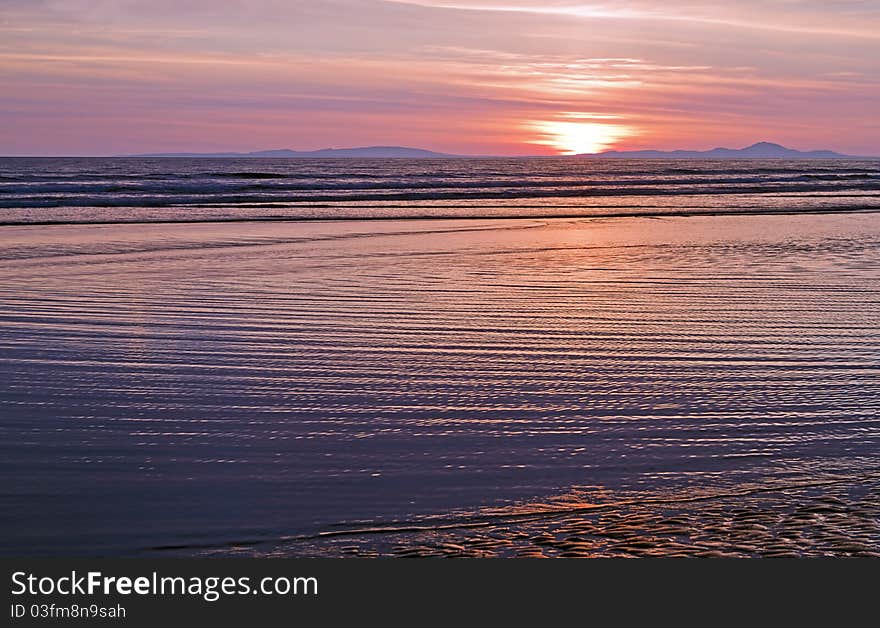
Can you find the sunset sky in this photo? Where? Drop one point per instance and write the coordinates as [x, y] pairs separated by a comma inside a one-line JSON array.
[[504, 77]]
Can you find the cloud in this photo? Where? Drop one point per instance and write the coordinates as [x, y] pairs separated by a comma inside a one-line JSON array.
[[845, 17], [312, 73]]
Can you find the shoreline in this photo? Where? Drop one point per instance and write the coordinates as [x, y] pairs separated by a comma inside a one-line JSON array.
[[837, 515], [331, 219]]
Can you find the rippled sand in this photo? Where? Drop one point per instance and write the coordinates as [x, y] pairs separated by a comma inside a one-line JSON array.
[[229, 387]]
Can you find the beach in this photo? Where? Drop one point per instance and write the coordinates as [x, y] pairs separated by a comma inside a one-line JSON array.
[[514, 386]]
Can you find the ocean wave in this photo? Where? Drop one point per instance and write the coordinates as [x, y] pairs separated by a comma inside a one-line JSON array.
[[114, 197]]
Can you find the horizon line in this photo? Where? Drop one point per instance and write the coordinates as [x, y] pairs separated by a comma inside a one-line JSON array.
[[432, 154]]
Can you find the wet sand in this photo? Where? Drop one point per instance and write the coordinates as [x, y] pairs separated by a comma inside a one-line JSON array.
[[831, 517], [496, 387]]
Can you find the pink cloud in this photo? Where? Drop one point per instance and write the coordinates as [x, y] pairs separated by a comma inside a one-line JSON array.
[[94, 77]]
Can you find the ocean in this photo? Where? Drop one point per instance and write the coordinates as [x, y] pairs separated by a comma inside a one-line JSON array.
[[495, 357], [91, 190]]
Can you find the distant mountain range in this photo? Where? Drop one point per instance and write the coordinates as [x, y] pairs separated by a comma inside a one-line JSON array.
[[334, 153], [761, 150]]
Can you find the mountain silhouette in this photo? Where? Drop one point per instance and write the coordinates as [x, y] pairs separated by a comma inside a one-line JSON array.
[[336, 153], [760, 150]]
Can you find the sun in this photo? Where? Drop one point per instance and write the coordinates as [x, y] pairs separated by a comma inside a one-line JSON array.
[[572, 138]]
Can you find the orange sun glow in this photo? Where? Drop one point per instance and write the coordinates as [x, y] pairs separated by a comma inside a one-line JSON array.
[[572, 138]]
